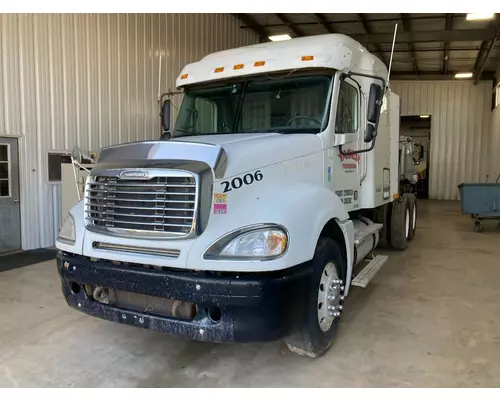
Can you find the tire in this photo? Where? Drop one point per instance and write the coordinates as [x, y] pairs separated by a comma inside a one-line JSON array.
[[412, 204], [382, 215], [314, 337], [400, 223]]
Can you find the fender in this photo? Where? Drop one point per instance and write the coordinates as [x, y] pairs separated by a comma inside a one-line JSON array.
[[302, 208]]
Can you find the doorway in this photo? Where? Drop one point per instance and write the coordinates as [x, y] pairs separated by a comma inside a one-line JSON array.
[[418, 127], [10, 213]]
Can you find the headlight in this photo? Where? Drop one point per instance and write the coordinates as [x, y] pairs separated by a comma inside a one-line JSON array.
[[67, 234], [251, 243]]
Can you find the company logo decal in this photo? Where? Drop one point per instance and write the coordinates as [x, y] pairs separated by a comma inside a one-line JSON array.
[[355, 157], [349, 167]]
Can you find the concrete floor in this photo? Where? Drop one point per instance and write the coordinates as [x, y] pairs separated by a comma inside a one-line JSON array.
[[429, 318]]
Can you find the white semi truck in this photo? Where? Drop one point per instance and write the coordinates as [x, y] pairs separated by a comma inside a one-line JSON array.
[[254, 215]]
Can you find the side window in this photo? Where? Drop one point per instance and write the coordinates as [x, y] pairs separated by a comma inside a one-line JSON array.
[[4, 171], [347, 117]]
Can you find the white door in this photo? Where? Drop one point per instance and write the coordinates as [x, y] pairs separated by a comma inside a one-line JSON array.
[[10, 221]]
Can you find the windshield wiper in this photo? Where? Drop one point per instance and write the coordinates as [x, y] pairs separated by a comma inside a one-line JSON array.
[[261, 131], [185, 131]]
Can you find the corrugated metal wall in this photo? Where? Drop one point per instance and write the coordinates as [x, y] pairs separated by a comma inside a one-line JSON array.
[[495, 144], [90, 80], [460, 130]]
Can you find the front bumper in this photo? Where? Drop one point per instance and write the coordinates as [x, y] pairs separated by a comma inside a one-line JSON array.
[[254, 307]]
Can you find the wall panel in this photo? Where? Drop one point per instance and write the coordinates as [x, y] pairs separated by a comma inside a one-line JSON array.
[[460, 130], [90, 80]]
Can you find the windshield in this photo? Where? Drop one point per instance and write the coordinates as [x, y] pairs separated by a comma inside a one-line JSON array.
[[285, 105]]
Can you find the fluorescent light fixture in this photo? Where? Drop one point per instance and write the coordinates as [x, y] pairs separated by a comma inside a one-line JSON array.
[[479, 16], [279, 38], [424, 116], [463, 75]]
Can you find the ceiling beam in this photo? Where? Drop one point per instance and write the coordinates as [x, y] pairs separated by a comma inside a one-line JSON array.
[[462, 35], [259, 30], [480, 54], [296, 31], [321, 18], [433, 76], [407, 29], [368, 30], [435, 50], [354, 21], [485, 59], [484, 52], [446, 57]]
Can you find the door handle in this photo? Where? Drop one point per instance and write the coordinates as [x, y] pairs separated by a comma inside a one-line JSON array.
[[16, 201]]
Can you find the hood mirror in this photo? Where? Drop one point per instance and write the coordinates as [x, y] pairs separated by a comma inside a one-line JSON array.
[[165, 120]]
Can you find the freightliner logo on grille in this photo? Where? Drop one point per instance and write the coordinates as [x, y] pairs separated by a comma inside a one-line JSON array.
[[134, 175]]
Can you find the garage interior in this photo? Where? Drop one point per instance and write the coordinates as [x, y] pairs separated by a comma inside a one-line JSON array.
[[86, 81]]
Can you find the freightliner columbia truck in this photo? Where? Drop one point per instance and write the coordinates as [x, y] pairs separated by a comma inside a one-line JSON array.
[[257, 211]]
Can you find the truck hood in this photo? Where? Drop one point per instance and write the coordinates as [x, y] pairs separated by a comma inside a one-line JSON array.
[[249, 151], [227, 155]]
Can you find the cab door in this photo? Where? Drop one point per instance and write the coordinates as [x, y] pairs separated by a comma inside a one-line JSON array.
[[346, 169]]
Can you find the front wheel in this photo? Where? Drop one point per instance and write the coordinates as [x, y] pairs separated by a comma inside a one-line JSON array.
[[320, 322]]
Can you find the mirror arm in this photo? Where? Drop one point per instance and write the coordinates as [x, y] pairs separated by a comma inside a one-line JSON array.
[[369, 76], [346, 153], [341, 151]]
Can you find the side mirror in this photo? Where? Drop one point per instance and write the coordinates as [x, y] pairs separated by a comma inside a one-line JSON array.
[[374, 103], [165, 116]]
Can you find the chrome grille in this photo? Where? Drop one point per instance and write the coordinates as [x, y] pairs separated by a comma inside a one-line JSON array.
[[157, 205]]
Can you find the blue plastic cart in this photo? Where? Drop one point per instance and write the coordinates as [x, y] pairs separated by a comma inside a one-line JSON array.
[[481, 201]]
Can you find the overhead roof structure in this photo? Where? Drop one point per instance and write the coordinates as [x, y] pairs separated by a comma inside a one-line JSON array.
[[428, 46]]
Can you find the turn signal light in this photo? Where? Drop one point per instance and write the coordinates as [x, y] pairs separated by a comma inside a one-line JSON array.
[[184, 76], [395, 196]]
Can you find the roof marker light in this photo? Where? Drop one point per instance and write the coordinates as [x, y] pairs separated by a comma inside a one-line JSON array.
[[184, 76], [259, 63], [220, 69], [238, 66], [307, 58]]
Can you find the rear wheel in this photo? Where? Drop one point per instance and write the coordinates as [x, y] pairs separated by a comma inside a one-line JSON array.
[[400, 223], [412, 204], [320, 322]]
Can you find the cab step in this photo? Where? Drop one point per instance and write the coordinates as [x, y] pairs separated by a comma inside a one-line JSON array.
[[369, 271], [366, 231]]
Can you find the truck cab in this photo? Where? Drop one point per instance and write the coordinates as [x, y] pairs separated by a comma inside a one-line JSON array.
[[246, 220]]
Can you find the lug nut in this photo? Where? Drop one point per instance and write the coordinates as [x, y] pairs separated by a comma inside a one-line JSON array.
[[342, 288], [331, 297], [342, 297], [337, 314], [340, 307], [331, 307], [332, 314]]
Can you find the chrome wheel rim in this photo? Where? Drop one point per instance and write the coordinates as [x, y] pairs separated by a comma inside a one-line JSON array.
[[414, 222], [407, 223], [329, 296]]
